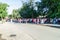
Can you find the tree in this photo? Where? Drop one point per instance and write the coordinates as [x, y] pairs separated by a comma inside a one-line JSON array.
[[10, 16], [15, 14], [48, 8], [3, 10], [28, 11], [52, 6], [58, 13]]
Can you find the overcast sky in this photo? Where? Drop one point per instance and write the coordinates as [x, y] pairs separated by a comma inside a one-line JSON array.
[[13, 4]]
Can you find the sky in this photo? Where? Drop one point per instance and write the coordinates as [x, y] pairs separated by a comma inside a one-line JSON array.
[[13, 4]]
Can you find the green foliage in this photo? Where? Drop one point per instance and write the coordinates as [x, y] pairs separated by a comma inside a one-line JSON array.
[[28, 11], [10, 16], [48, 8], [52, 6], [3, 10], [15, 14], [40, 8]]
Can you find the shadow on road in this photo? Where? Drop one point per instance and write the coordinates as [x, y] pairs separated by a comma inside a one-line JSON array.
[[54, 26]]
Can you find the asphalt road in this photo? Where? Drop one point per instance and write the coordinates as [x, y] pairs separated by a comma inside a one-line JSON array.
[[28, 32]]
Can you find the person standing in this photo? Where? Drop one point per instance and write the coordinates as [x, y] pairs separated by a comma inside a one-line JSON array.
[[38, 21]]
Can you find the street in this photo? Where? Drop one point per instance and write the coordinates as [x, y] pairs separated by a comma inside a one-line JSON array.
[[28, 32]]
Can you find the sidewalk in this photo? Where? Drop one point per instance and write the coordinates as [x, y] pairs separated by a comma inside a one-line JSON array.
[[53, 25]]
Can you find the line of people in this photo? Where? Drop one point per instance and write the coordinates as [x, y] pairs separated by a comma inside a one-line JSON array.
[[36, 20], [30, 20]]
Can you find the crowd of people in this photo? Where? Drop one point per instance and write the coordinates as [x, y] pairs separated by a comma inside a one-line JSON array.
[[36, 20]]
